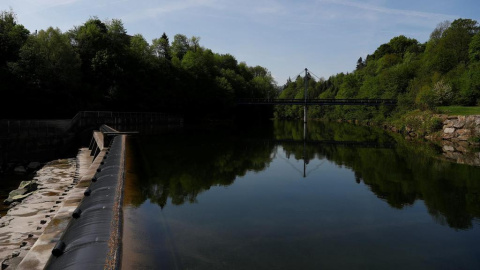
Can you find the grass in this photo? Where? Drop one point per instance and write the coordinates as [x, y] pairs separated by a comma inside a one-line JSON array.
[[459, 110]]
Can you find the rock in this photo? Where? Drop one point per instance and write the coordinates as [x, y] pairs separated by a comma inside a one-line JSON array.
[[452, 117], [448, 123], [449, 130], [464, 134], [20, 169], [5, 264], [33, 165], [11, 263], [17, 195], [448, 148], [447, 136], [15, 253], [470, 121], [460, 123], [29, 185], [13, 204], [16, 192]]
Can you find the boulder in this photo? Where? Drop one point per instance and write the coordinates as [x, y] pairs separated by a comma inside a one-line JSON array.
[[24, 190], [33, 165], [448, 148], [447, 136], [16, 198], [29, 185], [20, 169], [448, 123], [470, 121], [449, 130], [460, 123], [464, 134]]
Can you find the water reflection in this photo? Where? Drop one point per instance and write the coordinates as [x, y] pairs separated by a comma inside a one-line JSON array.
[[182, 164]]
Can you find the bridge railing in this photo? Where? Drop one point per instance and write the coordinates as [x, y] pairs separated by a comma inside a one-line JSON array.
[[88, 118], [296, 101]]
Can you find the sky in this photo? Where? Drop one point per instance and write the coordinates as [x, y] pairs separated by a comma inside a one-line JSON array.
[[284, 36]]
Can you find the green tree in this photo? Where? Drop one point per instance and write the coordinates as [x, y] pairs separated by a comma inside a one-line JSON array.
[[161, 47], [474, 48], [12, 37], [180, 46]]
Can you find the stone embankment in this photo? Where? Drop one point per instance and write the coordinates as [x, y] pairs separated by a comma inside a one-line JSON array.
[[459, 134], [461, 128], [458, 137]]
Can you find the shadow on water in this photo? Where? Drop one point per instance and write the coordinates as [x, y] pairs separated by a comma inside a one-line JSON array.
[[180, 165]]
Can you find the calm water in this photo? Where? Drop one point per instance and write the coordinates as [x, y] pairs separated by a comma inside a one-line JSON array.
[[346, 197]]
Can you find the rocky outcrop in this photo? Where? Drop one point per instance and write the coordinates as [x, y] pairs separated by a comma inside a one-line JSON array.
[[461, 128]]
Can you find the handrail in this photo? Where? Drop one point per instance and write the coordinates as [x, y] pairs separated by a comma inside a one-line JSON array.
[[318, 101], [88, 115]]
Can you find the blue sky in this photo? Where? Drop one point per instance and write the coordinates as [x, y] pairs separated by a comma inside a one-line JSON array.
[[285, 36]]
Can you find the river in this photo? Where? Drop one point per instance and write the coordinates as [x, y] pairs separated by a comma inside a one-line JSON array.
[[271, 197]]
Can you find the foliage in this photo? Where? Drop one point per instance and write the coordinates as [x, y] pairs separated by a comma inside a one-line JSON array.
[[98, 66], [443, 71]]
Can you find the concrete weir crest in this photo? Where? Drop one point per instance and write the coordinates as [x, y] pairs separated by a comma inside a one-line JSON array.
[[86, 231]]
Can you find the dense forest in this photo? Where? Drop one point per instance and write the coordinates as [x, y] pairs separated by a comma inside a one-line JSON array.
[[443, 71], [98, 66]]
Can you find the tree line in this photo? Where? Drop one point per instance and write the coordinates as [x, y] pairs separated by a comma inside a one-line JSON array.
[[445, 70], [98, 66]]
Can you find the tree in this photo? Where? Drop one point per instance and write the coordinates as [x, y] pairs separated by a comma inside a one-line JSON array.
[[161, 47], [88, 39], [12, 37], [401, 44], [438, 32], [139, 48], [194, 43], [443, 94], [360, 63], [180, 46], [474, 48]]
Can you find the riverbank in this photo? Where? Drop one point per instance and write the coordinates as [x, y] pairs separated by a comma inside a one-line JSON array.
[[457, 136]]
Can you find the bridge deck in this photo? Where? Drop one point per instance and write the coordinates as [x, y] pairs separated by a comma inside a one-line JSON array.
[[295, 101]]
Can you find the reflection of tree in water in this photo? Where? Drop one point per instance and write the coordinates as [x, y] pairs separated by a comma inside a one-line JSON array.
[[182, 165], [401, 175]]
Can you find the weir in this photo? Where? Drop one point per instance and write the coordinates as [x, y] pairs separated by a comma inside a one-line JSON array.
[[86, 231]]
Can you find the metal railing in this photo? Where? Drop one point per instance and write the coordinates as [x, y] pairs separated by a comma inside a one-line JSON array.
[[297, 101], [84, 118]]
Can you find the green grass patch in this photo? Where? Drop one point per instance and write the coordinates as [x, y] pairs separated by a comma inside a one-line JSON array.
[[459, 110]]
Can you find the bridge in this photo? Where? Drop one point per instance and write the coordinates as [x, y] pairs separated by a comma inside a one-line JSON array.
[[309, 102]]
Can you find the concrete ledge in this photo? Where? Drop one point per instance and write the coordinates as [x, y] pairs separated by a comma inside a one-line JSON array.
[[41, 251]]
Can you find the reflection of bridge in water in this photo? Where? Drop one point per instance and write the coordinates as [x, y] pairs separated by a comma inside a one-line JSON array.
[[305, 142], [364, 144]]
